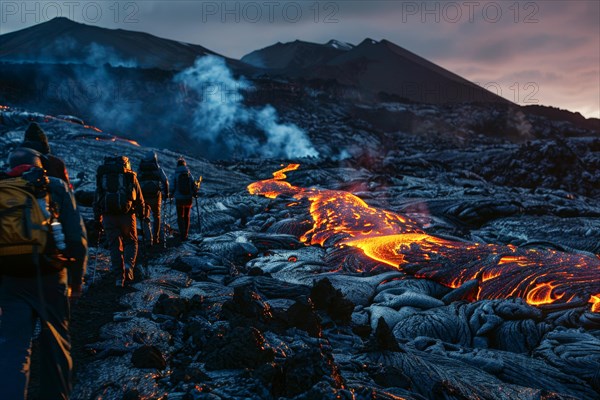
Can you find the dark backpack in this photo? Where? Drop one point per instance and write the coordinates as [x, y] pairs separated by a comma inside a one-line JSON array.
[[150, 179], [184, 183], [25, 226], [116, 182], [25, 234]]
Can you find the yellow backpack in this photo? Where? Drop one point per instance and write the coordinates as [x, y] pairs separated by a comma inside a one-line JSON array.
[[24, 224]]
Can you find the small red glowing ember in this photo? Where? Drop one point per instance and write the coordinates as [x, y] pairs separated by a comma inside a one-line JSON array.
[[538, 276]]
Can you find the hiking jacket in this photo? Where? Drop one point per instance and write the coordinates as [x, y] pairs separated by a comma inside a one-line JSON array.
[[158, 174], [53, 165], [72, 226], [174, 187]]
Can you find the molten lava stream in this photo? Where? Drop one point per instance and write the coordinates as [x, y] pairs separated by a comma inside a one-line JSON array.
[[541, 277]]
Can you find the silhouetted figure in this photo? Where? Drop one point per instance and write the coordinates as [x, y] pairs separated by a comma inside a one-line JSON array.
[[117, 200], [34, 278], [183, 189], [154, 185]]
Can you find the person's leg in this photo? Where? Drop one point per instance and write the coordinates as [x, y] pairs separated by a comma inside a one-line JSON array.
[[55, 343], [187, 214], [180, 218], [112, 227], [146, 223], [16, 329], [156, 208], [130, 243]]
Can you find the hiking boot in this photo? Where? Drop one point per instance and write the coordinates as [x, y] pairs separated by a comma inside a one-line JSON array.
[[128, 272]]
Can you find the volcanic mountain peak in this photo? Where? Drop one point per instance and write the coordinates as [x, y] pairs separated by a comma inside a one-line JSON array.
[[295, 55], [61, 41], [373, 67], [336, 44], [368, 41]]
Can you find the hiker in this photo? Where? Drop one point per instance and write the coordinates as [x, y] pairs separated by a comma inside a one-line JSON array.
[[35, 269], [154, 185], [117, 200], [36, 139], [184, 190]]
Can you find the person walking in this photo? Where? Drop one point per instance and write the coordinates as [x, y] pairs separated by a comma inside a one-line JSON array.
[[35, 138], [155, 186], [184, 190], [36, 266], [118, 199]]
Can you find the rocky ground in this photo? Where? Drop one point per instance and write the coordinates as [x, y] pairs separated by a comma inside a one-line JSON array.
[[246, 309]]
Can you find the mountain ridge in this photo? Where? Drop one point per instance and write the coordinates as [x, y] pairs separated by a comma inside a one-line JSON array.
[[372, 67], [62, 40], [372, 71], [376, 67]]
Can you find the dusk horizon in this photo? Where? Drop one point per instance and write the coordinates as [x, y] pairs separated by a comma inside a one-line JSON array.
[[518, 50]]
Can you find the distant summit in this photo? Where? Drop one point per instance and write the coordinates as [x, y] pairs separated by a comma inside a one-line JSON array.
[[295, 56], [336, 44], [376, 67], [61, 41]]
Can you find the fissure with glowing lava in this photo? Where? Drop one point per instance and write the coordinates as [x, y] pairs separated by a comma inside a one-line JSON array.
[[540, 277]]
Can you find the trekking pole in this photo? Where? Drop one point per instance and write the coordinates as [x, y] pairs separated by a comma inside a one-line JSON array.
[[198, 183], [164, 225], [198, 214], [170, 215]]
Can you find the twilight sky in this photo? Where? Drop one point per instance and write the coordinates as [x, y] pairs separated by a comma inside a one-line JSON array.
[[531, 52]]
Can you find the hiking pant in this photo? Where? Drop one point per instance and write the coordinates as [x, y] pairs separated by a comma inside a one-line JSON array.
[[152, 205], [184, 209], [121, 233], [21, 307]]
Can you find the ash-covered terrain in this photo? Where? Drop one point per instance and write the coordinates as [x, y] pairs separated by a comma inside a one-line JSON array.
[[362, 233], [448, 267]]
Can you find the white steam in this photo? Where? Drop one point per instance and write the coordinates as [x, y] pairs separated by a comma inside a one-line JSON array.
[[219, 108]]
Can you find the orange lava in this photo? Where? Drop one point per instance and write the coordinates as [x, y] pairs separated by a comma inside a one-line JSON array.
[[543, 294], [540, 277], [388, 249], [595, 300]]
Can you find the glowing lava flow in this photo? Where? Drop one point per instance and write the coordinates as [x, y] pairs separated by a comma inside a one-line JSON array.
[[541, 277]]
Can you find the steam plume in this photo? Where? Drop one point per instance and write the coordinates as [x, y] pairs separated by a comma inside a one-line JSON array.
[[219, 108]]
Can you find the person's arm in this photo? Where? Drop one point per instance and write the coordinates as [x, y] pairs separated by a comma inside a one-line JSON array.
[[66, 175], [58, 169], [74, 232], [165, 181], [139, 198]]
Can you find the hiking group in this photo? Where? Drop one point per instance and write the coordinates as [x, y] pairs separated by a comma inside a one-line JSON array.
[[122, 197], [44, 249]]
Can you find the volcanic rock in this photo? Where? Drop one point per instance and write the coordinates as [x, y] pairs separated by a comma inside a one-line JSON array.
[[302, 316], [246, 308], [172, 306], [304, 369], [242, 347], [148, 357], [325, 297]]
